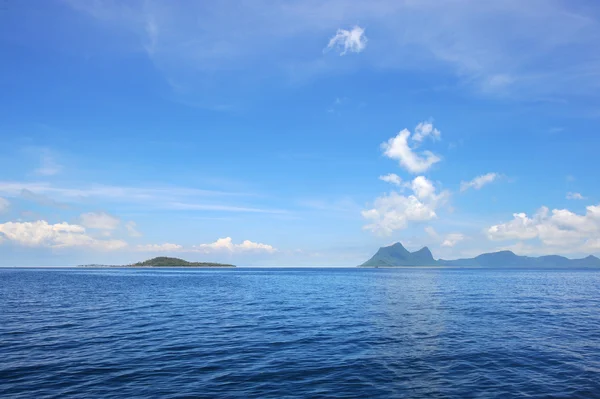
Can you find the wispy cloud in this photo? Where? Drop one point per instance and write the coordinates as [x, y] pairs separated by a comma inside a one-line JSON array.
[[575, 196], [161, 197], [344, 41], [391, 178], [48, 166], [431, 232], [41, 199], [330, 206], [533, 48], [217, 207], [132, 230], [478, 182]]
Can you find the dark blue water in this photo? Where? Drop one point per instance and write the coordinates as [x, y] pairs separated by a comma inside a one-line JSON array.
[[286, 333]]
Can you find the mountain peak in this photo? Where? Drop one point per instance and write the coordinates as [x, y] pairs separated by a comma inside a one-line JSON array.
[[395, 245], [423, 257], [397, 255]]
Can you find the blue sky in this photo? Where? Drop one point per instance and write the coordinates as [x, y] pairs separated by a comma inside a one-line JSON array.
[[297, 133]]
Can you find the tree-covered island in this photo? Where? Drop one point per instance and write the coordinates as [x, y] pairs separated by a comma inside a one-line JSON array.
[[163, 261]]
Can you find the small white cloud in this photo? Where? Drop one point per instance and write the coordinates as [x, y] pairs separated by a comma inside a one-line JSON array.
[[345, 41], [226, 245], [101, 221], [399, 149], [59, 235], [452, 239], [166, 247], [221, 244], [394, 211], [391, 178], [131, 227], [4, 204], [248, 245], [424, 130], [479, 181], [575, 196]]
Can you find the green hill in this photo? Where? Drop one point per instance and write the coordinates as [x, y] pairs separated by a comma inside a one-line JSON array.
[[163, 261]]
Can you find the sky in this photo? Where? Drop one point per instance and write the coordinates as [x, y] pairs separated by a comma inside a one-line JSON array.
[[297, 133]]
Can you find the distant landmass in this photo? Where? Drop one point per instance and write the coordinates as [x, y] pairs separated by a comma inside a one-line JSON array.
[[397, 255], [163, 261]]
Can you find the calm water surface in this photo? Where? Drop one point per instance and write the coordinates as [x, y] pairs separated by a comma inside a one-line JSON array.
[[287, 333]]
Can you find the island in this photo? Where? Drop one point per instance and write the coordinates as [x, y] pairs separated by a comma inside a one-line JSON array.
[[397, 256], [163, 261]]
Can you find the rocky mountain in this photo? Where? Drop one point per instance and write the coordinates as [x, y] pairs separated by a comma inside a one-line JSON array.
[[397, 255]]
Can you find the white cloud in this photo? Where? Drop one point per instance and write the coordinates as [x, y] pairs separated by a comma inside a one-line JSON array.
[[423, 188], [452, 239], [560, 228], [100, 220], [220, 244], [424, 130], [391, 178], [345, 41], [248, 245], [479, 181], [227, 245], [59, 235], [394, 211], [520, 228], [166, 247], [398, 148], [131, 227], [4, 204], [575, 196]]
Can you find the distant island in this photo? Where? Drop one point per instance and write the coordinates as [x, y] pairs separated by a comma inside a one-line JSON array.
[[163, 261], [396, 255]]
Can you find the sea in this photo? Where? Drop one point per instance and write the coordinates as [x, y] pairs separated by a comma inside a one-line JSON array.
[[299, 333]]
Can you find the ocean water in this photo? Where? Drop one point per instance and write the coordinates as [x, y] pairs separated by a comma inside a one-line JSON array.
[[299, 333]]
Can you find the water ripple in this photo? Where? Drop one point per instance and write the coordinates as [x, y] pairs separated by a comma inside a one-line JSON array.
[[288, 333]]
